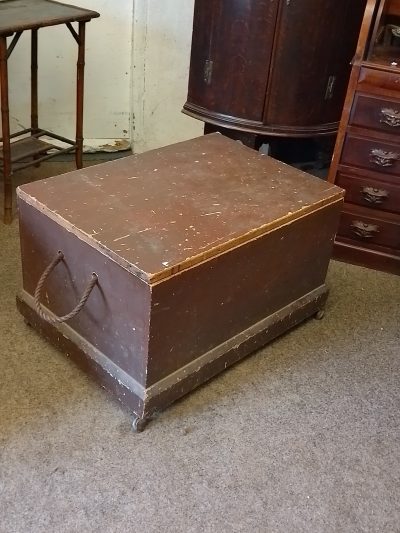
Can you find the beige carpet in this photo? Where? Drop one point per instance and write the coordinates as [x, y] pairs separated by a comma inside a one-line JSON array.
[[303, 436]]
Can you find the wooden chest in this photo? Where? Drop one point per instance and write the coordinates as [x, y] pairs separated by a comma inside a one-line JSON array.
[[202, 252]]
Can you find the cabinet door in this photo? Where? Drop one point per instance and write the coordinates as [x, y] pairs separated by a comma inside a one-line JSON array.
[[315, 43], [231, 49]]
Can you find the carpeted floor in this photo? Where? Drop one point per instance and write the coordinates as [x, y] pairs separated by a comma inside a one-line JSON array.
[[303, 436]]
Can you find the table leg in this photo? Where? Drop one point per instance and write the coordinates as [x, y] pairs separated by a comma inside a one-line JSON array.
[[34, 82], [34, 86], [5, 122], [79, 95]]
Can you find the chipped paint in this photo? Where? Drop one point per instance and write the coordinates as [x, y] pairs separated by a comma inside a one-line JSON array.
[[177, 223], [118, 145], [121, 238]]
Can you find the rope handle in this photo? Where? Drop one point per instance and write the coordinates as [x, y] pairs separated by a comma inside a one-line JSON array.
[[38, 291]]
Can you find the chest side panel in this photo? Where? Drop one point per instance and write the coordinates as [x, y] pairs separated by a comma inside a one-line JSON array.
[[115, 319], [197, 310]]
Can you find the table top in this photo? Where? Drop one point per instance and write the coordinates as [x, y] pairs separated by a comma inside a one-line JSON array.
[[20, 15], [165, 210]]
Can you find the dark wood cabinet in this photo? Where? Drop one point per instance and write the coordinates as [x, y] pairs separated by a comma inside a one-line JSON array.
[[366, 160], [273, 67]]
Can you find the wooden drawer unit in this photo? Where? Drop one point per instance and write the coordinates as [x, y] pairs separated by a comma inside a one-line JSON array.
[[373, 154], [368, 227], [366, 161], [378, 195], [376, 113]]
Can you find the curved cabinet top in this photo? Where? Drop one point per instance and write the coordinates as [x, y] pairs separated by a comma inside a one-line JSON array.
[[279, 67]]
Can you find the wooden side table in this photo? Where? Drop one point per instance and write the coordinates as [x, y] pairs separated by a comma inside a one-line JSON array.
[[16, 16]]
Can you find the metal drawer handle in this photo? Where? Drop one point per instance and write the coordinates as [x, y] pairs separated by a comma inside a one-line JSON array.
[[58, 319], [363, 230], [382, 158], [390, 117], [374, 196]]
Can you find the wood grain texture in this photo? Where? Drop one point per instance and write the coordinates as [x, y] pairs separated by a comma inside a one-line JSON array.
[[370, 192], [224, 32], [266, 66], [166, 210]]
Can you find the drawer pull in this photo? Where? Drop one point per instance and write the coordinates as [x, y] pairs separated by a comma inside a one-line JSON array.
[[374, 196], [390, 117], [382, 158], [38, 292], [363, 230]]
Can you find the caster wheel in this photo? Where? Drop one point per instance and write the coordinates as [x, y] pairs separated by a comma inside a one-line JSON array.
[[139, 424], [320, 314], [27, 323]]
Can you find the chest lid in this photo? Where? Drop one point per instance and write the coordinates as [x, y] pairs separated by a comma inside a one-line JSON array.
[[166, 210]]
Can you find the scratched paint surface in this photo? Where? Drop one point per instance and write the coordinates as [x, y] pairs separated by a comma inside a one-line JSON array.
[[178, 204]]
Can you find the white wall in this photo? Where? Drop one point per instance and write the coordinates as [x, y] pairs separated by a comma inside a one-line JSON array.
[[135, 85], [161, 54], [107, 76]]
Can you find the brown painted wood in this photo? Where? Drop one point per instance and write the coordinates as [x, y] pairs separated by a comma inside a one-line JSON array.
[[245, 56], [177, 202], [248, 278], [367, 153], [146, 402], [204, 251]]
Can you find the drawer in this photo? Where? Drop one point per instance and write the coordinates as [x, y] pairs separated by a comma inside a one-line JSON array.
[[377, 113], [370, 193], [376, 155], [378, 79], [361, 224]]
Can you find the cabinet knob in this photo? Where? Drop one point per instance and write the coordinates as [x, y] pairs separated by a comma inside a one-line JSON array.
[[390, 117], [383, 159], [363, 230], [374, 196]]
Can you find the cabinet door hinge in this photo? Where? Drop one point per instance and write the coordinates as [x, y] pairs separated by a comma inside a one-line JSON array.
[[208, 70], [330, 87]]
